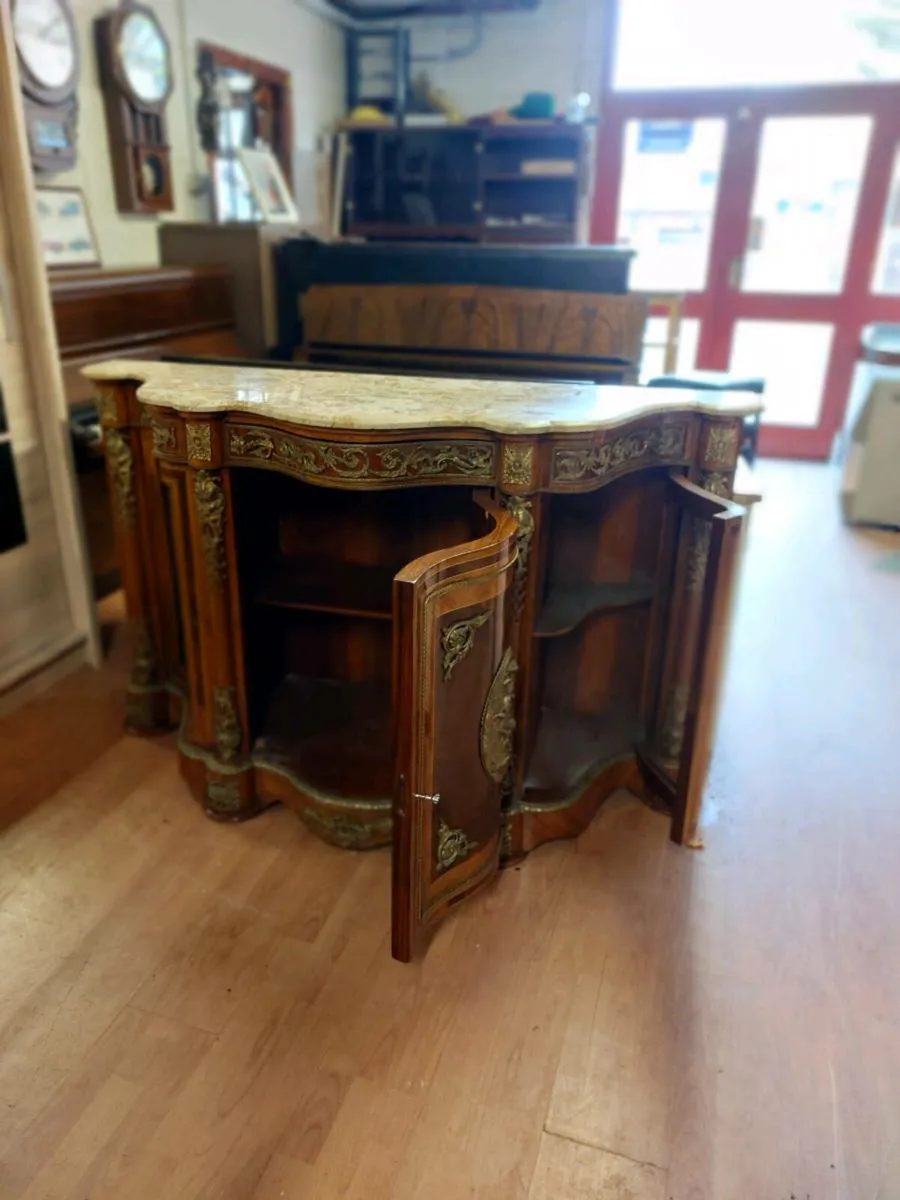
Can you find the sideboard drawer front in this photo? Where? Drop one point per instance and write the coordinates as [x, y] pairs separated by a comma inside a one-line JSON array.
[[584, 464], [361, 464]]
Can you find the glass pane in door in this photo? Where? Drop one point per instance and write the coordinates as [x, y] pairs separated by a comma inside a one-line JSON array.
[[804, 203], [670, 180], [792, 357], [886, 276], [653, 352]]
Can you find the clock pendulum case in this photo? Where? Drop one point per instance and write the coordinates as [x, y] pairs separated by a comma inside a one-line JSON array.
[[135, 62], [47, 50]]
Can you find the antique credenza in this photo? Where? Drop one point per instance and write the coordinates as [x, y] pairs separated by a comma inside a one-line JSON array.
[[449, 615]]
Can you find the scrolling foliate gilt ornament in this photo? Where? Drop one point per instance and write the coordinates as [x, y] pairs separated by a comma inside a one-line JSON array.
[[457, 640], [223, 797], [163, 438], [452, 847], [722, 444], [498, 722], [199, 442], [210, 497], [397, 461], [226, 723], [121, 467], [699, 534], [517, 462], [573, 463], [717, 482], [672, 733], [143, 670], [107, 406], [344, 831], [521, 508]]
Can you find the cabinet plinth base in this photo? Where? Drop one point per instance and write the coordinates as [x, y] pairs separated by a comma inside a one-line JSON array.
[[149, 710], [368, 825]]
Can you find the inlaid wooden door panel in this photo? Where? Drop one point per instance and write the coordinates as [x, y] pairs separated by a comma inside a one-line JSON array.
[[709, 530], [454, 693]]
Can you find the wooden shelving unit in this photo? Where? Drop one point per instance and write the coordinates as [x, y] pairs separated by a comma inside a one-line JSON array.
[[474, 183]]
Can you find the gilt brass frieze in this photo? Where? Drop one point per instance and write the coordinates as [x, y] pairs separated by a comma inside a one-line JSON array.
[[349, 462], [666, 444], [457, 640], [498, 722]]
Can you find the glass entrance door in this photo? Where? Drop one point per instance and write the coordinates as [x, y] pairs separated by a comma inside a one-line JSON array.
[[774, 212]]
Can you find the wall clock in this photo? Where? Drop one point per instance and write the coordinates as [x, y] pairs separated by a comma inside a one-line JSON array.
[[136, 75], [47, 50]]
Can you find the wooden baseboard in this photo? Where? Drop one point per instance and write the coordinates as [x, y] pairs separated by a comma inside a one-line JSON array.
[[33, 676]]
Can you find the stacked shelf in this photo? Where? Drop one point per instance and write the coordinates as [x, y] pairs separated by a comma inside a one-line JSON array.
[[492, 183], [568, 605]]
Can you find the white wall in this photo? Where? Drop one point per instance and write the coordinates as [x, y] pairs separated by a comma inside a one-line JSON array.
[[276, 31], [554, 48]]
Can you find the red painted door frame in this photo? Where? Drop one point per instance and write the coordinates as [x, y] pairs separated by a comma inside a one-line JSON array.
[[719, 305]]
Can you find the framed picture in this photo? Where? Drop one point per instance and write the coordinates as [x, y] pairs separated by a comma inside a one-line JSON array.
[[268, 185], [67, 238]]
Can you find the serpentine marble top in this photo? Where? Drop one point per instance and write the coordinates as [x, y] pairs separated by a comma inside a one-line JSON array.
[[344, 400]]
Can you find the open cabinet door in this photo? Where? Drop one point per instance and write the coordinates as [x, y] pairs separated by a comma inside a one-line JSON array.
[[709, 531], [454, 691]]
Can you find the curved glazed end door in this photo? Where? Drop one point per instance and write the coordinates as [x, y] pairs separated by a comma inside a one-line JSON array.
[[454, 691], [710, 537]]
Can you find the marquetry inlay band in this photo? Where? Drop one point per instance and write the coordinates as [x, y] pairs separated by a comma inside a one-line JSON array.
[[590, 461], [399, 462]]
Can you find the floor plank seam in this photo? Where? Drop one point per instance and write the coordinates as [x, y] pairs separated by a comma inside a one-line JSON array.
[[638, 1162]]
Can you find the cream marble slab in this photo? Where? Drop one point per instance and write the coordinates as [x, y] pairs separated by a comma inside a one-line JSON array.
[[341, 400]]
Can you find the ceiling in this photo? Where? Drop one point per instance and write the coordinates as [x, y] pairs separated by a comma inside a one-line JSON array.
[[373, 10]]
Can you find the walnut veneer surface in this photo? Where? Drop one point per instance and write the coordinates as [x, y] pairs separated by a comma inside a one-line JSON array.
[[195, 1010]]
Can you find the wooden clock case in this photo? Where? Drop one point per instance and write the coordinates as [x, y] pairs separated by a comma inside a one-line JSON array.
[[57, 106], [138, 132]]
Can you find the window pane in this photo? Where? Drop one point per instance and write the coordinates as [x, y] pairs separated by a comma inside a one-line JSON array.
[[792, 357], [714, 43], [804, 203], [654, 350], [670, 180], [886, 277]]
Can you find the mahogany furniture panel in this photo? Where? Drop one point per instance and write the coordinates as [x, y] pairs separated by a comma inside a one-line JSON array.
[[450, 614], [142, 313]]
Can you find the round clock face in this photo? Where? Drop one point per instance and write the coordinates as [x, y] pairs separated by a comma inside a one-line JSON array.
[[144, 57], [45, 40]]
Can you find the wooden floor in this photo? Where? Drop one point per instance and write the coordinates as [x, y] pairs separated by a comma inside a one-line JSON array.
[[190, 1010]]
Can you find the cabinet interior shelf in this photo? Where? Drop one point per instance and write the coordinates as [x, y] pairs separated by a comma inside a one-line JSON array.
[[331, 734], [569, 746], [568, 605], [322, 584]]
